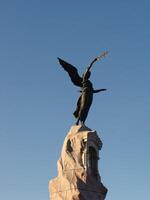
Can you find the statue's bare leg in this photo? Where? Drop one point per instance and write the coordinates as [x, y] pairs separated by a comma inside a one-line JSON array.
[[77, 123], [82, 123]]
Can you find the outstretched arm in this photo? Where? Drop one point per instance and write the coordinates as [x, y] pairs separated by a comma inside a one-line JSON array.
[[97, 58], [100, 90]]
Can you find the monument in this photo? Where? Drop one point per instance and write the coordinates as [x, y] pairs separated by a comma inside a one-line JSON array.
[[78, 175]]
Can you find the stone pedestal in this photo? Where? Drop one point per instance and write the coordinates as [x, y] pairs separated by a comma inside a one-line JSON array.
[[78, 177]]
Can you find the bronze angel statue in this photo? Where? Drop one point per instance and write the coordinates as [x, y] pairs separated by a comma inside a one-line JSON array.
[[86, 94]]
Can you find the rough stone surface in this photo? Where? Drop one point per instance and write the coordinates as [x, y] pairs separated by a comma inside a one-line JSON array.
[[78, 178]]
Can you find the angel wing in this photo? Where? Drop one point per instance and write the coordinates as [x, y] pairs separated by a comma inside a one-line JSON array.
[[72, 71]]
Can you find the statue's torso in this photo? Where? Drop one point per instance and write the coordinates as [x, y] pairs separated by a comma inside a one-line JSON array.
[[87, 87]]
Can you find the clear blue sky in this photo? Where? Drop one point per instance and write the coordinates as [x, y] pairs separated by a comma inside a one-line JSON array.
[[37, 98]]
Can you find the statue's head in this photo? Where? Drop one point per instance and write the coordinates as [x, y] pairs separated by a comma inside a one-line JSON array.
[[86, 75]]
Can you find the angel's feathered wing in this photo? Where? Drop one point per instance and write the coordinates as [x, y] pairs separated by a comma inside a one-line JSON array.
[[72, 71]]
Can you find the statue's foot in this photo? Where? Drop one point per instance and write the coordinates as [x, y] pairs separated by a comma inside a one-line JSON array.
[[77, 123], [82, 123]]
